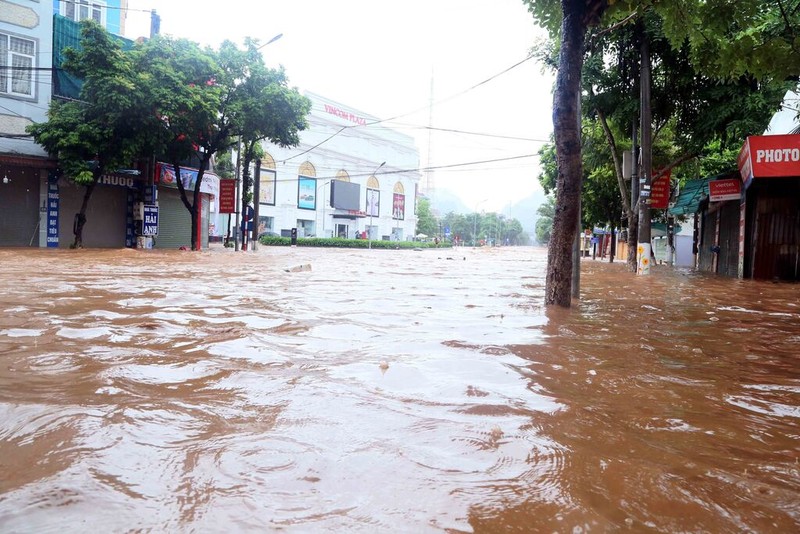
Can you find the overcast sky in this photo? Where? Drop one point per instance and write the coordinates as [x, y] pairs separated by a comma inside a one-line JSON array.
[[379, 57]]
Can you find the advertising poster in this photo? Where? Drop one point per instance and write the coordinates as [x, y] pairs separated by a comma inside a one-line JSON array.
[[373, 202], [399, 206], [266, 193], [307, 193], [166, 176]]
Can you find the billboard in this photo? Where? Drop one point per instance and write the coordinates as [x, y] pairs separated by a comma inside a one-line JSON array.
[[399, 206], [373, 202], [345, 195], [306, 193]]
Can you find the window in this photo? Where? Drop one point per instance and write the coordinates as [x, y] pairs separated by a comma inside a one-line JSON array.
[[17, 58], [79, 10]]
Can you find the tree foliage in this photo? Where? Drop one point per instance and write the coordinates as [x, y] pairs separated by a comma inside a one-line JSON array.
[[426, 222], [104, 130], [720, 70]]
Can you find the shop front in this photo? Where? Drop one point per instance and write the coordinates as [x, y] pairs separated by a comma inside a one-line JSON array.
[[175, 223], [770, 210]]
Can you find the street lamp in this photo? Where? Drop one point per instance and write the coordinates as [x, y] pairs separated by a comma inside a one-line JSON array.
[[369, 233], [475, 223], [270, 41]]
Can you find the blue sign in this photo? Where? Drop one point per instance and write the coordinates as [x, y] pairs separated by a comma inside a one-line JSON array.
[[447, 231], [130, 224], [150, 220], [52, 214]]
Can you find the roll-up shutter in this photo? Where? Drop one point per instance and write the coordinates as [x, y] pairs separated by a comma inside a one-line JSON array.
[[174, 221], [19, 211], [106, 215]]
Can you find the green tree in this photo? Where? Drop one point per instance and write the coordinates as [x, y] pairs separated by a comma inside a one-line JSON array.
[[204, 99], [267, 108], [103, 131], [190, 109], [544, 224], [426, 222]]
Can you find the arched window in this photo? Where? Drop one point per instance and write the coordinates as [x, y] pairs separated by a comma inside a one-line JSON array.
[[266, 188], [307, 169], [343, 176]]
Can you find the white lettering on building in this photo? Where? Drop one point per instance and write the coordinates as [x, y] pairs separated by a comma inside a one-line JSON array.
[[777, 155]]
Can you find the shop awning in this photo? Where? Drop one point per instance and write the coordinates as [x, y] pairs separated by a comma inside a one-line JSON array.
[[692, 193]]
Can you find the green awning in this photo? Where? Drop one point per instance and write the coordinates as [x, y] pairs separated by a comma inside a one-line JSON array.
[[692, 193]]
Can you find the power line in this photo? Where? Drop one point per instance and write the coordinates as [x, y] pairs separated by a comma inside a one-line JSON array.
[[343, 128]]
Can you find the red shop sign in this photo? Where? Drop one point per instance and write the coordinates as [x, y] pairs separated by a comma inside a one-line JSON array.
[[227, 196], [722, 190]]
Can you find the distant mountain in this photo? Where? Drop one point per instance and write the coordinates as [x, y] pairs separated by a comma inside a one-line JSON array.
[[525, 210], [444, 202]]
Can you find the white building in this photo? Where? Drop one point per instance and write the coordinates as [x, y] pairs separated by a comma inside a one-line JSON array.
[[344, 144]]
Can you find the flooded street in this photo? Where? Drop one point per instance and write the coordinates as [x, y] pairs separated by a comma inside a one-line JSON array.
[[391, 391]]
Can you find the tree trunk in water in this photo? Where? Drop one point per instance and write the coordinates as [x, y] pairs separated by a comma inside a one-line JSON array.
[[247, 181], [568, 155], [633, 241], [191, 208], [80, 217]]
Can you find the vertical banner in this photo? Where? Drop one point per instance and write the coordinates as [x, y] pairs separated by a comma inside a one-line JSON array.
[[399, 206], [52, 212], [130, 225], [227, 196], [660, 192], [373, 202]]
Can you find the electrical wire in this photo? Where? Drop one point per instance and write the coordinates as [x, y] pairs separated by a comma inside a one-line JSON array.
[[379, 121]]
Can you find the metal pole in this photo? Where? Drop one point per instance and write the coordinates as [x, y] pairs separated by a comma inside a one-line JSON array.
[[238, 164], [369, 234], [256, 201]]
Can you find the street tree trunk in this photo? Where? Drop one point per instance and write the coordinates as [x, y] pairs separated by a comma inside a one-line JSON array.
[[568, 154], [80, 217]]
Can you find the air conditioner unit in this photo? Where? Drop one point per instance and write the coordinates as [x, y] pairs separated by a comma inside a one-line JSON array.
[[138, 211]]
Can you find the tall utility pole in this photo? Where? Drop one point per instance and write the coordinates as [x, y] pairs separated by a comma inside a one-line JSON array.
[[645, 127], [237, 231], [256, 201]]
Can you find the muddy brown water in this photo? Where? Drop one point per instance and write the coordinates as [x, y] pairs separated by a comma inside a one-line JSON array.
[[391, 391]]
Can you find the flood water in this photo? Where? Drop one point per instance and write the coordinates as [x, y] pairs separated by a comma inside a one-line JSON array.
[[391, 391]]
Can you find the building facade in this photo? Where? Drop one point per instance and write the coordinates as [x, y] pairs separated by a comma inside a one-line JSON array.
[[26, 36], [296, 188], [37, 205]]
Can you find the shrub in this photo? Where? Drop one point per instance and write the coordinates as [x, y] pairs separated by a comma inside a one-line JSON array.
[[338, 242]]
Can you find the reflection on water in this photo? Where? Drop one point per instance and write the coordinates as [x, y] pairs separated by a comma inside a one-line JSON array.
[[390, 391]]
